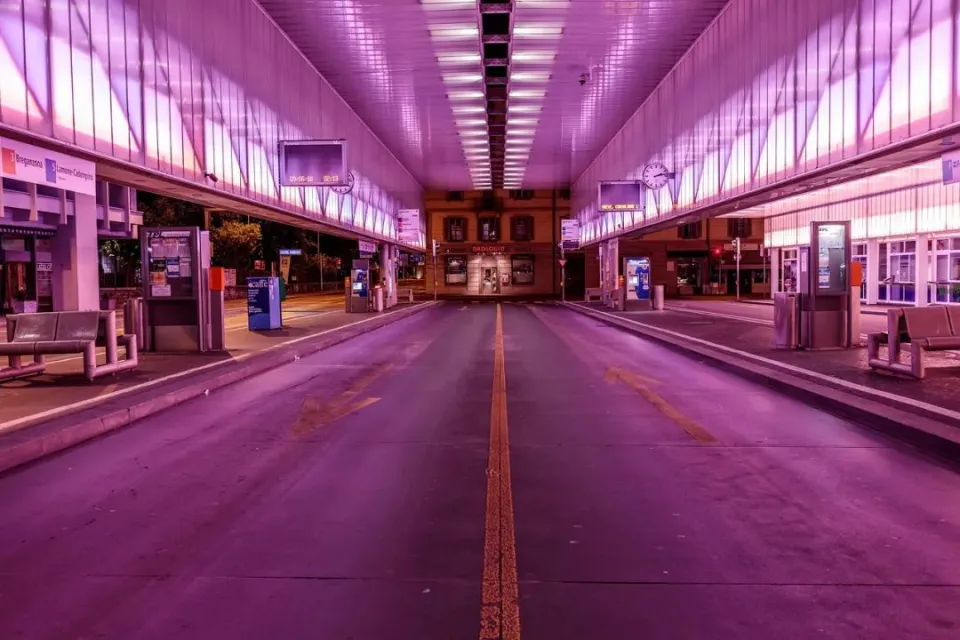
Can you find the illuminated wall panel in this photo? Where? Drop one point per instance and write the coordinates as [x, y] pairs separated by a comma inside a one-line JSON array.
[[186, 89], [903, 203], [774, 90]]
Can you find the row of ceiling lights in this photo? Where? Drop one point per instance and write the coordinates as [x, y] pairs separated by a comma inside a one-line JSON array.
[[497, 93]]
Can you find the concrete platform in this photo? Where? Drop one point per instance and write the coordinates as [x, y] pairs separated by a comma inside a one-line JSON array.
[[63, 384], [344, 495]]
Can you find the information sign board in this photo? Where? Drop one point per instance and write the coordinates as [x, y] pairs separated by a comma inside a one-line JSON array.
[[263, 303]]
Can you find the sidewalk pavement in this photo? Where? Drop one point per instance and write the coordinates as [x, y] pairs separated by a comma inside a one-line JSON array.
[[865, 309], [870, 322], [746, 345]]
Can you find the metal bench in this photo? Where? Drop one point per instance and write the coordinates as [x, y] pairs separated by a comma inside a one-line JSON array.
[[65, 332], [934, 328], [593, 292], [405, 295]]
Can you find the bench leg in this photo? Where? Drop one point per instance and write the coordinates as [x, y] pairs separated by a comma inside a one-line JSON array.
[[916, 361], [90, 360]]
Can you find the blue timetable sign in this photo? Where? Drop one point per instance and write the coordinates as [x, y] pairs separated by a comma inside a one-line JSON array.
[[263, 303]]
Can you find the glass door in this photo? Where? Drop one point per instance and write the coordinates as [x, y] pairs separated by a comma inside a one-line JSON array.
[[860, 255], [946, 285]]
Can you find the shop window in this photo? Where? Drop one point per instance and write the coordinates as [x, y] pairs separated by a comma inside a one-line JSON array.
[[521, 228], [489, 229], [690, 231], [521, 269], [455, 270], [455, 229], [739, 227]]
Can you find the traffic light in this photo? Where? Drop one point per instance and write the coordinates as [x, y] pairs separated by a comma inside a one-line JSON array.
[[436, 247], [717, 252], [736, 245]]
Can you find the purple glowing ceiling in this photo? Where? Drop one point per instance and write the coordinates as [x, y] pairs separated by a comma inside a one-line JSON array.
[[472, 94]]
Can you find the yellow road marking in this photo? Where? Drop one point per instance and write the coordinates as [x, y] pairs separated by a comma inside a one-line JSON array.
[[637, 383], [500, 609], [314, 414], [616, 373]]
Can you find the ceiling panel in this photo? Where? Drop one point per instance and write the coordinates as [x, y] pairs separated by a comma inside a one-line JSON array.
[[414, 71]]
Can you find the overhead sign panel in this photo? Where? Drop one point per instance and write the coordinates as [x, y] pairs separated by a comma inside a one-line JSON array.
[[36, 165], [951, 167], [313, 163], [408, 226], [624, 195], [570, 233], [366, 247]]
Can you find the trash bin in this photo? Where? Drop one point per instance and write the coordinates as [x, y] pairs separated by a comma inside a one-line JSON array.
[[658, 297], [378, 298], [785, 332]]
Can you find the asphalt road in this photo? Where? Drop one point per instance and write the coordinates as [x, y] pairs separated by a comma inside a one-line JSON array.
[[346, 497]]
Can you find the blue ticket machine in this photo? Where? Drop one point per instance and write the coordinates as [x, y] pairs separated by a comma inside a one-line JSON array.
[[263, 303], [637, 274]]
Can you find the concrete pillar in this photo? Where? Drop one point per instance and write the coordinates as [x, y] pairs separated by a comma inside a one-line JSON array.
[[873, 271], [388, 273], [76, 269], [922, 272], [776, 281]]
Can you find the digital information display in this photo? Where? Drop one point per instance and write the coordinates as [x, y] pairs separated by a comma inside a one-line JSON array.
[[621, 196], [313, 163]]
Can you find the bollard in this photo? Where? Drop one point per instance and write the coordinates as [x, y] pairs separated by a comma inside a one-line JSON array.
[[658, 297]]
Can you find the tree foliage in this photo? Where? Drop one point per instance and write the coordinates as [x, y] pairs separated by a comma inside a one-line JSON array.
[[236, 244]]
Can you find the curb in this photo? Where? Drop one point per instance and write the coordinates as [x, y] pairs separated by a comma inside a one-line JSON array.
[[31, 443], [938, 434]]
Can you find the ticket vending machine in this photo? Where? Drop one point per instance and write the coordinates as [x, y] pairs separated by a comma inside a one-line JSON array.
[[636, 293], [176, 289], [824, 287], [358, 296]]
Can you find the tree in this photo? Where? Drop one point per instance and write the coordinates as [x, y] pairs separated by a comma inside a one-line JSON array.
[[236, 244], [126, 256], [160, 211]]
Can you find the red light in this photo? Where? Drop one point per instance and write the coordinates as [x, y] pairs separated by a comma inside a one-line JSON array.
[[717, 251]]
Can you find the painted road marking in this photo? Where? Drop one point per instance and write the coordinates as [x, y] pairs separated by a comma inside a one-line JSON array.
[[613, 374], [500, 609], [463, 308], [51, 413], [314, 414], [873, 394], [641, 385]]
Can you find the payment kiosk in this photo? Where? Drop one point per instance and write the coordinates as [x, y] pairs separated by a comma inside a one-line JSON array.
[[824, 287], [636, 292], [176, 290], [358, 294]]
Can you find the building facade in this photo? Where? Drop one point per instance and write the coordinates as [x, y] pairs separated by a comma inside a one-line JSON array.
[[697, 258], [495, 243]]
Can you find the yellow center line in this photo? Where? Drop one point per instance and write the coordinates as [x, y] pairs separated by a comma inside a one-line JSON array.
[[640, 384], [500, 609]]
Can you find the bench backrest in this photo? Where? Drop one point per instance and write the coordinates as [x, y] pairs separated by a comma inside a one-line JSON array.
[[927, 322], [953, 313], [78, 325], [36, 327]]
